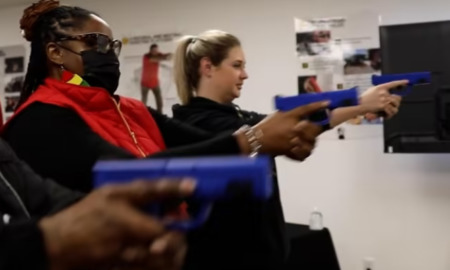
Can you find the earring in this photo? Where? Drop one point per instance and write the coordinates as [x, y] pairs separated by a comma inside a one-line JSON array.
[[62, 72]]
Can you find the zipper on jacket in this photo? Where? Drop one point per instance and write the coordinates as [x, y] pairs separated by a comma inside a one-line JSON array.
[[131, 132], [15, 194]]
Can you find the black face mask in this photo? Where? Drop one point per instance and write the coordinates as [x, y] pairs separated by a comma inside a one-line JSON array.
[[101, 69]]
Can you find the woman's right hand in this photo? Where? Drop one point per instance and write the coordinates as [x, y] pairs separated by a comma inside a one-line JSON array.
[[106, 229], [285, 133]]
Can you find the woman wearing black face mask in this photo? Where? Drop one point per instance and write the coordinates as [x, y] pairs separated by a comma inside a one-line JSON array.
[[68, 116]]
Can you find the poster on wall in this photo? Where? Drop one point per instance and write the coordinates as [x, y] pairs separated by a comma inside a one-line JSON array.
[[12, 75], [147, 72], [338, 53]]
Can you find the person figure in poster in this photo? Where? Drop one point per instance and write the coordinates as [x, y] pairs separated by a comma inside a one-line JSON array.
[[308, 84], [150, 75], [311, 85], [314, 43]]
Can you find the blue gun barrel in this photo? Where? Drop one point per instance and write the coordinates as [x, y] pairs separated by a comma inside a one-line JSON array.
[[413, 79]]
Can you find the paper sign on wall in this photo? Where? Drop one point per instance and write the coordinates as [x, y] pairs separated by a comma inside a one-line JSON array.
[[338, 53]]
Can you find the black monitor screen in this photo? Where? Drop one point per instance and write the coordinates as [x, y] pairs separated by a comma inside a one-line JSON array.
[[416, 48]]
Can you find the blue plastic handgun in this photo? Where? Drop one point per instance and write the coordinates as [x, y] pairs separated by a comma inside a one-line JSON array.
[[413, 78], [217, 178], [341, 98]]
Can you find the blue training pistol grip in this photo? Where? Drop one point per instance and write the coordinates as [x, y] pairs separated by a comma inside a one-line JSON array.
[[217, 178], [413, 79], [340, 98]]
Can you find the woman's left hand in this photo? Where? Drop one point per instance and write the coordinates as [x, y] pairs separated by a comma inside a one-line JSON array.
[[378, 99]]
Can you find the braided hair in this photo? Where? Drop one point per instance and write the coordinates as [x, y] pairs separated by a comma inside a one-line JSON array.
[[41, 23]]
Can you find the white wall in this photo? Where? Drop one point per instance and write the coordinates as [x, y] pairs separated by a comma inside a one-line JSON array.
[[394, 208]]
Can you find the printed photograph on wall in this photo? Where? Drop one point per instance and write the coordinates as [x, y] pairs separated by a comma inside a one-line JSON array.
[[11, 103], [357, 62], [12, 74], [14, 84], [147, 73], [14, 65], [313, 43], [362, 61]]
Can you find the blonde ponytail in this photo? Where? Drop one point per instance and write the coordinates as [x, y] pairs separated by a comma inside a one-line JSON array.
[[181, 71]]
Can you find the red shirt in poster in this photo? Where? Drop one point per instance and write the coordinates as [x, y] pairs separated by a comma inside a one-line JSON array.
[[150, 72]]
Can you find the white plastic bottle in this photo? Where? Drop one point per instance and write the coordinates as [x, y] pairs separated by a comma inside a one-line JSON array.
[[316, 220]]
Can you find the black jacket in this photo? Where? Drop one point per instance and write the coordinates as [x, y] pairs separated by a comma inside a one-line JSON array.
[[238, 235], [25, 198], [58, 144]]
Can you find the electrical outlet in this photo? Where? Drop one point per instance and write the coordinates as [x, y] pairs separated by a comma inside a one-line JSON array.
[[368, 263]]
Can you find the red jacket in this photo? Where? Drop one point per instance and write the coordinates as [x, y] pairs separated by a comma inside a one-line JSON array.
[[126, 124]]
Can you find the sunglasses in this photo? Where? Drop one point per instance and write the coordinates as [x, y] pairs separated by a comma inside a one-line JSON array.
[[101, 41]]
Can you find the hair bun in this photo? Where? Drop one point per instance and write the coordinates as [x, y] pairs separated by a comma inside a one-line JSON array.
[[31, 15]]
